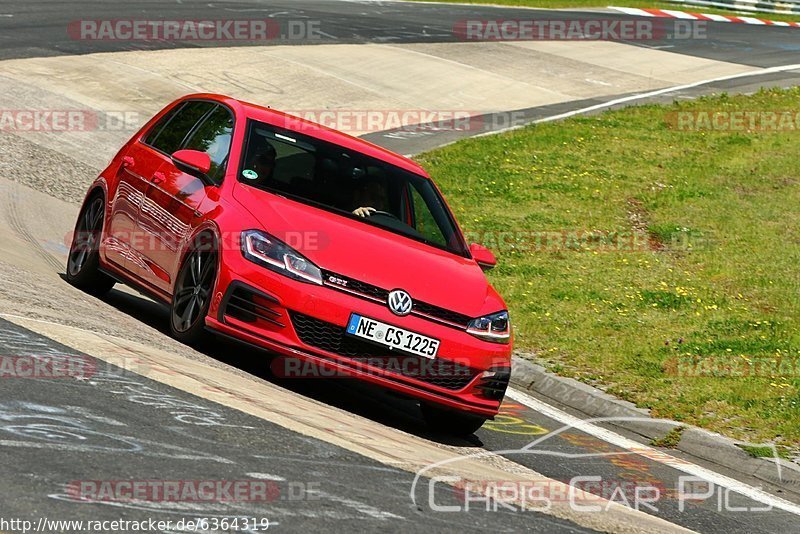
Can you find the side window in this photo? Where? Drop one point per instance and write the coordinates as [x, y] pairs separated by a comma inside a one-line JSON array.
[[172, 135], [278, 161], [425, 223], [213, 137], [152, 135]]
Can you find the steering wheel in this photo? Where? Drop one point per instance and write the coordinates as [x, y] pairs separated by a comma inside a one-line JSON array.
[[384, 213]]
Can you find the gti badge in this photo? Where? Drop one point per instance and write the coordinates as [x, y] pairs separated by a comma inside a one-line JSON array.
[[338, 281], [400, 302]]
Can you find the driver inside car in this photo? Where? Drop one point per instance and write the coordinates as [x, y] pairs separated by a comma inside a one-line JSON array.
[[263, 163], [370, 197]]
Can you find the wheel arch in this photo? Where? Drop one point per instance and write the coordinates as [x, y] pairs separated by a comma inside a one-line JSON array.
[[98, 187], [208, 227]]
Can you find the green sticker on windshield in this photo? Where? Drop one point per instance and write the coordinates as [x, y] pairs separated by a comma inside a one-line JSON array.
[[250, 174]]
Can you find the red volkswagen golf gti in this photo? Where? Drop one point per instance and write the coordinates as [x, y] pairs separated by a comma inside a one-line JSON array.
[[329, 251]]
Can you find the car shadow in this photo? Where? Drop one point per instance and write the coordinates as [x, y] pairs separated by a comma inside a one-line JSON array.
[[367, 400]]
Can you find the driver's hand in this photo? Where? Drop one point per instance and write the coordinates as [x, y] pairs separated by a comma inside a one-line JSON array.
[[364, 212]]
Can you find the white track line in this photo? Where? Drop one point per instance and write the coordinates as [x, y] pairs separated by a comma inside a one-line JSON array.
[[751, 20], [679, 14], [656, 455], [641, 96], [632, 11], [720, 18], [737, 17]]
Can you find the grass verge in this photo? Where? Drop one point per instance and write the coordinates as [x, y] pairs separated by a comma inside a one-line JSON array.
[[670, 440], [763, 452], [659, 264]]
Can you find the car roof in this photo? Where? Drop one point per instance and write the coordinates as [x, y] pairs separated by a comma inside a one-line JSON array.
[[313, 129]]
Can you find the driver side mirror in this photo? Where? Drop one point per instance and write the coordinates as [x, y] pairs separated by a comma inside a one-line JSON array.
[[195, 163], [483, 256]]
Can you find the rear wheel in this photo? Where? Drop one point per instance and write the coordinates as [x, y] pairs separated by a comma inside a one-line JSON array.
[[451, 422], [83, 262], [192, 295]]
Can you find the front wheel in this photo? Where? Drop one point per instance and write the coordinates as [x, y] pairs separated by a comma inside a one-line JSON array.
[[451, 422], [83, 262], [192, 295]]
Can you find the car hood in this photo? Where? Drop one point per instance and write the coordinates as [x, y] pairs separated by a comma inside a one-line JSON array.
[[370, 254]]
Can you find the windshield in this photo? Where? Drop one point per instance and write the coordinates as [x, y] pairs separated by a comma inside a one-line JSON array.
[[349, 183]]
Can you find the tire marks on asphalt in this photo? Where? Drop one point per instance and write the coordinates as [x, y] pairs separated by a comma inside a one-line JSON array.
[[16, 223]]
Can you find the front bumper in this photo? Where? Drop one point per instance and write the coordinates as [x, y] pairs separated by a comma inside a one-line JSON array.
[[304, 321]]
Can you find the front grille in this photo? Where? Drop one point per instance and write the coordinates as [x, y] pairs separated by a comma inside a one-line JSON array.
[[441, 313], [368, 289], [344, 283], [374, 292], [332, 338], [329, 337]]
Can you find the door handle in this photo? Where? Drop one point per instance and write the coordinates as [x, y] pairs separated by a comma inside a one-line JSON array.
[[158, 178], [128, 161]]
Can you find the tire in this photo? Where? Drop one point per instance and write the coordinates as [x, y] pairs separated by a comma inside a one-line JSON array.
[[83, 262], [193, 292], [451, 422]]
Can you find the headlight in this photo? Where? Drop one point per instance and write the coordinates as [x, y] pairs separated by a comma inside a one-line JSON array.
[[274, 254], [494, 327]]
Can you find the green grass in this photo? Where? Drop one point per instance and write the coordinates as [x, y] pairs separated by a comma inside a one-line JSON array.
[[715, 276], [671, 439], [763, 451], [647, 4]]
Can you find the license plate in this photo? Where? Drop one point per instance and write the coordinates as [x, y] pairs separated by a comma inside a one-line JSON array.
[[392, 336]]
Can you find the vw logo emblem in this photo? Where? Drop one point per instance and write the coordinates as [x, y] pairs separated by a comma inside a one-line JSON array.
[[400, 302]]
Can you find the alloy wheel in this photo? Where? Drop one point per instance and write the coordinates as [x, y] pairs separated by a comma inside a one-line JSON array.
[[87, 236], [193, 289]]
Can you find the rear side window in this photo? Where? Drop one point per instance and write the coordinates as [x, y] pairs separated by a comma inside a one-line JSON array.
[[169, 136], [213, 137], [152, 135]]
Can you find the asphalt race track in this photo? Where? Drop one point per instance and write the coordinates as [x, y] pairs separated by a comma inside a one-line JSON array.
[[37, 27], [40, 29], [311, 483], [333, 455]]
